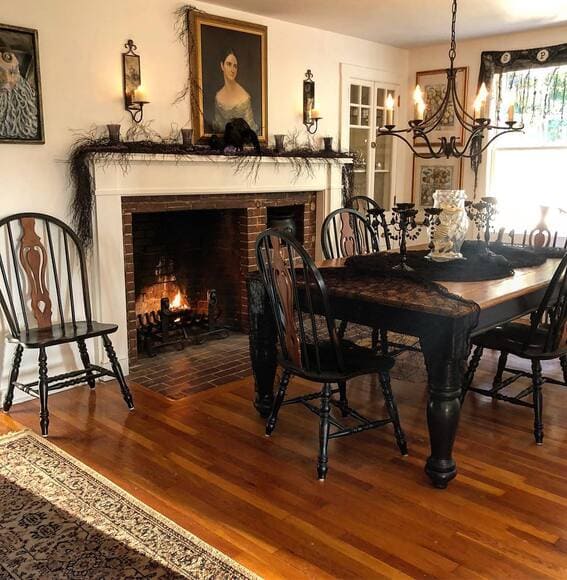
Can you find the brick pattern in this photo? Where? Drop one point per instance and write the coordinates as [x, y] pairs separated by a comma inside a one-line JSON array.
[[252, 218], [176, 374]]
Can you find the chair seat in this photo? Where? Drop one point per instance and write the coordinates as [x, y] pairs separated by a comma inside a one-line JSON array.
[[59, 334], [514, 338], [358, 360]]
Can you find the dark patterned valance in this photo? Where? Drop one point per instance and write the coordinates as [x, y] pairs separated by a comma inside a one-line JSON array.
[[497, 62]]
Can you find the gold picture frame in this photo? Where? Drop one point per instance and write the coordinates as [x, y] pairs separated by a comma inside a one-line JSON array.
[[433, 84], [432, 174], [229, 74]]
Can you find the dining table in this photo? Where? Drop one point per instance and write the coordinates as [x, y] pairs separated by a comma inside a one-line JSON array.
[[444, 316]]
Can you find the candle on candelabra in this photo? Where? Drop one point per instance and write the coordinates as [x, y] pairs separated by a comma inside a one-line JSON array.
[[511, 111], [419, 104], [389, 110]]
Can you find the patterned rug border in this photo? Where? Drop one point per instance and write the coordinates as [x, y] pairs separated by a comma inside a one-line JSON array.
[[185, 534]]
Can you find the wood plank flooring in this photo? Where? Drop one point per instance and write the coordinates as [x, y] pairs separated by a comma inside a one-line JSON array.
[[205, 463]]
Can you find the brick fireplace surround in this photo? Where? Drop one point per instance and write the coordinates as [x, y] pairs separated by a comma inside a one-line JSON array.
[[252, 219], [165, 183]]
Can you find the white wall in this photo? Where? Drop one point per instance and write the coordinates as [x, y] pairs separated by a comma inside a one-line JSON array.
[[468, 54], [80, 42]]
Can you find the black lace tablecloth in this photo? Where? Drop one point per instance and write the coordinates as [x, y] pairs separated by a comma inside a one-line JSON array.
[[480, 264]]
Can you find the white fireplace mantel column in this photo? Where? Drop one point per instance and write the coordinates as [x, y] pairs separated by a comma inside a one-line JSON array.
[[189, 175]]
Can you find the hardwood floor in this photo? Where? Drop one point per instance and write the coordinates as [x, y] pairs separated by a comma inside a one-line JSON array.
[[204, 462]]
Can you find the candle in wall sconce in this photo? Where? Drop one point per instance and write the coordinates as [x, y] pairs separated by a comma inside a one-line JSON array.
[[315, 114], [140, 96], [390, 110]]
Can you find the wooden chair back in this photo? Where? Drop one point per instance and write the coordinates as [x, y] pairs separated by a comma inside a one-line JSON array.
[[551, 316], [299, 301], [374, 214], [345, 233], [38, 258]]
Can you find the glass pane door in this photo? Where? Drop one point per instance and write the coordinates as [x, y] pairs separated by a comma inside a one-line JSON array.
[[360, 131]]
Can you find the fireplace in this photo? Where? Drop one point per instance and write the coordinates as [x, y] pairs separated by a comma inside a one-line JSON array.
[[183, 247], [154, 184]]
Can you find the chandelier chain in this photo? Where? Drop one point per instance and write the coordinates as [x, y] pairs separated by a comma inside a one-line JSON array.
[[453, 48]]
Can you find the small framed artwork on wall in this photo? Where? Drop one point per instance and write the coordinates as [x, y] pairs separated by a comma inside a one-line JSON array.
[[433, 85], [432, 174], [229, 73], [21, 117]]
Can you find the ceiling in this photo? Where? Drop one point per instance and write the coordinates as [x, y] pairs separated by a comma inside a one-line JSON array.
[[407, 23]]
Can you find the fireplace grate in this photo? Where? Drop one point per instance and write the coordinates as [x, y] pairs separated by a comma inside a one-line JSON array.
[[171, 326]]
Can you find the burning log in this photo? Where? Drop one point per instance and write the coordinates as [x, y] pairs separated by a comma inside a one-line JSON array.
[[175, 324]]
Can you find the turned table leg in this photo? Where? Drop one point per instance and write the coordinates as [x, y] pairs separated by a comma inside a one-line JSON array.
[[262, 345], [445, 358]]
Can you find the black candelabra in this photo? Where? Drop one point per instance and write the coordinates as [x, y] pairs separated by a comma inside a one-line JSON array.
[[431, 221], [404, 227], [481, 214]]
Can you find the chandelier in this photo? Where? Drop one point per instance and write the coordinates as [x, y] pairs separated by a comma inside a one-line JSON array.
[[475, 126]]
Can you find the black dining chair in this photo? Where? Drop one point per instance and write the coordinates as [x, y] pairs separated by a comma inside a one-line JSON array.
[[544, 338], [345, 233], [44, 295], [313, 351], [374, 214]]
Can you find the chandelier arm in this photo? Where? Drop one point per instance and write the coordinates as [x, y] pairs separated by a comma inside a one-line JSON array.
[[434, 120], [488, 143], [466, 119], [467, 144], [432, 154]]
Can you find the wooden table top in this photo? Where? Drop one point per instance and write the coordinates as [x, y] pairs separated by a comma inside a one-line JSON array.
[[489, 293]]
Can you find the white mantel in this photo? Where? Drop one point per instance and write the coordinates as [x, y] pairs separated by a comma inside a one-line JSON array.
[[191, 175]]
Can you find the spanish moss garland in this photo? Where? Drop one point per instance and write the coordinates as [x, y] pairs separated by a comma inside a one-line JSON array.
[[247, 162]]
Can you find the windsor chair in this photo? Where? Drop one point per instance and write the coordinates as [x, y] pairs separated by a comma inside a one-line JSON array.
[[44, 295]]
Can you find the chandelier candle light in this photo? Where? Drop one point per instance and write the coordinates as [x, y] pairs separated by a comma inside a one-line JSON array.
[[476, 126]]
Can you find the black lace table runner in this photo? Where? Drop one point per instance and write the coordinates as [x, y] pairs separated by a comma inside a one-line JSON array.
[[480, 264]]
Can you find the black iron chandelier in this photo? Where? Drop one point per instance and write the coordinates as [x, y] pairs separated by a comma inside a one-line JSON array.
[[476, 127]]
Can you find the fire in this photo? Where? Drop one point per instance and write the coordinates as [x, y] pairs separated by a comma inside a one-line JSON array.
[[177, 302]]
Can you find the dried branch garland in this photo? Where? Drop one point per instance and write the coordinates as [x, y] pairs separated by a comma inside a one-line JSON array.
[[146, 142]]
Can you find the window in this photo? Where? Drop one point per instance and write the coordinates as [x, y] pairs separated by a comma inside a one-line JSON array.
[[527, 171]]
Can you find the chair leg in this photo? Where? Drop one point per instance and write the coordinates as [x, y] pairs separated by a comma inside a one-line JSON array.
[[43, 392], [563, 361], [538, 401], [384, 346], [117, 370], [13, 377], [86, 362], [343, 401], [393, 411], [502, 360], [323, 460], [342, 329], [469, 374], [272, 419]]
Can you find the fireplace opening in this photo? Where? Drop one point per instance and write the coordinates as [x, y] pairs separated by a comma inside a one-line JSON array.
[[182, 259]]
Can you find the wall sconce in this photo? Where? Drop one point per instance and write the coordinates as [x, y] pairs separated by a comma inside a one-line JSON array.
[[311, 116], [134, 96]]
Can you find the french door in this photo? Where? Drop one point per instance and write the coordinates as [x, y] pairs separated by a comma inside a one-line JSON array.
[[363, 113]]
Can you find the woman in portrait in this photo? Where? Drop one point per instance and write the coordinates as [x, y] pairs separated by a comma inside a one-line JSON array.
[[232, 101]]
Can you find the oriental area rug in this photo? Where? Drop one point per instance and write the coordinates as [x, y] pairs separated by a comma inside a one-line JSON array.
[[61, 519]]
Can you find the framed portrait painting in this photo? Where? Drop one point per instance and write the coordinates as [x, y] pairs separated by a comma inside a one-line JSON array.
[[433, 84], [432, 174], [229, 74], [21, 117]]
